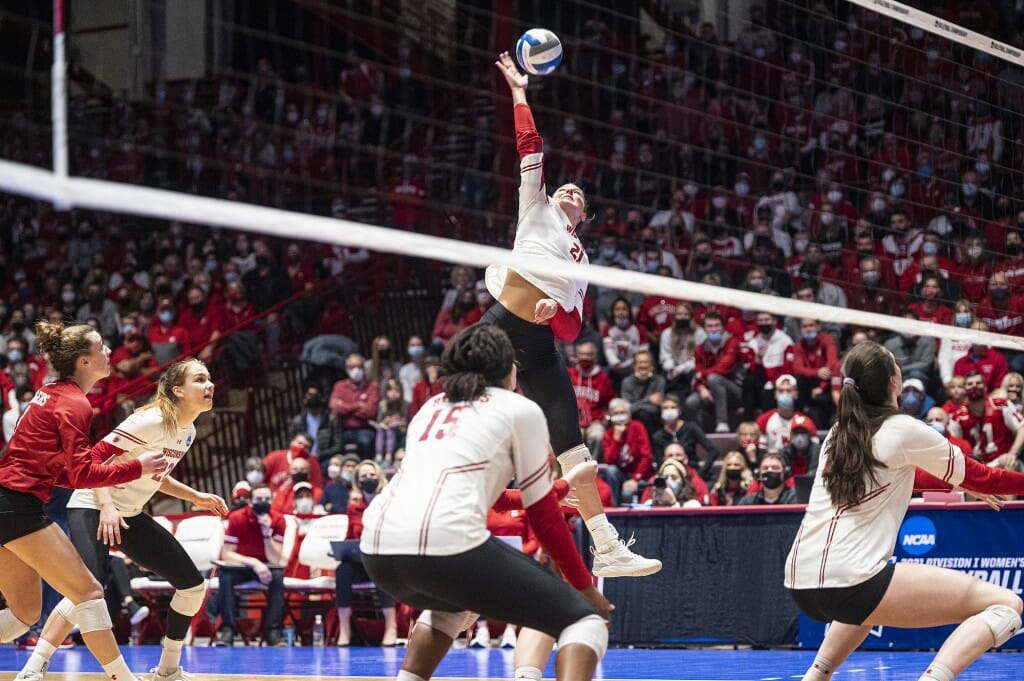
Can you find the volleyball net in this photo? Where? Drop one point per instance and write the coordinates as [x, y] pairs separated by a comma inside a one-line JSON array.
[[468, 160]]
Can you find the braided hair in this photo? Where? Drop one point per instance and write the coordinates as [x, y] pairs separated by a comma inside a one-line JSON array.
[[477, 357]]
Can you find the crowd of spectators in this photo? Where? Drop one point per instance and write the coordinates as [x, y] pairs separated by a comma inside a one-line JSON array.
[[828, 154]]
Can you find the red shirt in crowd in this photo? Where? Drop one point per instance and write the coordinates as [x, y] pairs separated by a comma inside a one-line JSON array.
[[594, 390], [245, 534], [809, 358], [632, 454], [1008, 319], [356, 404], [991, 364], [657, 313], [990, 434], [51, 446], [277, 462]]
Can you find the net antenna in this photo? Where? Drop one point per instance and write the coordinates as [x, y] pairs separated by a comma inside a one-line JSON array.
[[59, 100]]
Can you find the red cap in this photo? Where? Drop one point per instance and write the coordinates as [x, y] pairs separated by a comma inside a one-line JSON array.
[[802, 422]]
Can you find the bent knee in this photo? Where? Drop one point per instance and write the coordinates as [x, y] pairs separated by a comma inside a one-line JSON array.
[[88, 591]]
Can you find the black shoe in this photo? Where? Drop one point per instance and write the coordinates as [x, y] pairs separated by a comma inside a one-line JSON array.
[[274, 639], [225, 637]]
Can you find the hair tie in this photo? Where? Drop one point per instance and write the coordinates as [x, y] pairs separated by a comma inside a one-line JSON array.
[[849, 381]]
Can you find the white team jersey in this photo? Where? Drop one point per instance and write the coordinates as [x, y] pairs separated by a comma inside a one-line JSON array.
[[141, 432], [543, 232], [458, 459], [845, 546]]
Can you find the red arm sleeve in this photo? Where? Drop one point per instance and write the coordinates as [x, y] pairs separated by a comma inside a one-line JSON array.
[[977, 478], [566, 325], [552, 532], [512, 498], [528, 140], [85, 467]]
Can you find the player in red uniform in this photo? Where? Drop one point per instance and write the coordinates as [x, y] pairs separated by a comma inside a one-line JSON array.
[[51, 447], [991, 424]]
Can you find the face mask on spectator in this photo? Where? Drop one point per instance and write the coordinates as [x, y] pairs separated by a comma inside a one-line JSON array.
[[356, 374], [835, 196], [15, 356], [982, 167], [925, 171], [999, 293], [166, 316], [669, 415], [619, 419], [368, 485], [784, 401], [254, 477], [810, 336], [719, 202], [622, 322], [1013, 247], [415, 351], [742, 188], [766, 329], [333, 471], [970, 189], [869, 278], [801, 440], [771, 480], [939, 427], [878, 205], [897, 189], [676, 486], [67, 296], [910, 402], [962, 319], [974, 394], [230, 276], [759, 52], [304, 506], [607, 252], [929, 248], [760, 143], [299, 477], [733, 473], [715, 337], [974, 251]]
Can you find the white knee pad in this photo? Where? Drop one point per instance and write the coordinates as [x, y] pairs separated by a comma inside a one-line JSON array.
[[591, 631], [451, 624], [64, 608], [91, 616], [1002, 620], [10, 626], [188, 601], [571, 457]]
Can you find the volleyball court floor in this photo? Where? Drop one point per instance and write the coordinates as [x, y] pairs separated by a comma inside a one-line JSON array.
[[365, 664]]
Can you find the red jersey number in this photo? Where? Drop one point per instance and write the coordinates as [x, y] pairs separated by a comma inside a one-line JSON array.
[[577, 252], [447, 426]]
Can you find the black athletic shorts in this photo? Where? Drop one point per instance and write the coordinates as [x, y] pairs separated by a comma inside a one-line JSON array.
[[849, 605], [542, 375], [493, 580], [145, 541], [21, 514]]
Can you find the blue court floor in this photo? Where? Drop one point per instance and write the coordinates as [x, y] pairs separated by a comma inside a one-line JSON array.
[[634, 664]]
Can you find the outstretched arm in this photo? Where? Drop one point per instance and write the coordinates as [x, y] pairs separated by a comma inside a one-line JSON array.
[[517, 81]]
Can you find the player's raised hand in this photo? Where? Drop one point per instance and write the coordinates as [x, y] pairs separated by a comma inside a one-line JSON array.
[[515, 79]]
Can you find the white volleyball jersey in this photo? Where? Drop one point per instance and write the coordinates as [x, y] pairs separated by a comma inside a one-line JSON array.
[[141, 432], [458, 459], [845, 546], [543, 232]]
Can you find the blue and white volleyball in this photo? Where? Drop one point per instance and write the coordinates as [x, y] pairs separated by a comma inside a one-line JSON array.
[[539, 51]]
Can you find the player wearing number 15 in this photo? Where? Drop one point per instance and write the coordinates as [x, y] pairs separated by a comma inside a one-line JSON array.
[[50, 446]]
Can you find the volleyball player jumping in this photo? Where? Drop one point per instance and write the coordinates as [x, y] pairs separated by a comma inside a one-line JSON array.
[[112, 516]]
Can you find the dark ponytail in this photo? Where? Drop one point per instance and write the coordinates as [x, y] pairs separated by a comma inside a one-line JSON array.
[[864, 404], [477, 357]]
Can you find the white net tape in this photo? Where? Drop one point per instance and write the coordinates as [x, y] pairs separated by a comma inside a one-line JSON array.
[[157, 203]]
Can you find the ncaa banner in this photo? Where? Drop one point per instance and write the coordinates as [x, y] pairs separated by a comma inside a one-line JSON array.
[[981, 543]]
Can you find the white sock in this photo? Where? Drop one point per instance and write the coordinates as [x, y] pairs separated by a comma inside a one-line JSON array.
[[820, 670], [408, 676], [170, 656], [937, 672], [601, 530], [529, 673], [40, 658], [10, 626], [118, 670]]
